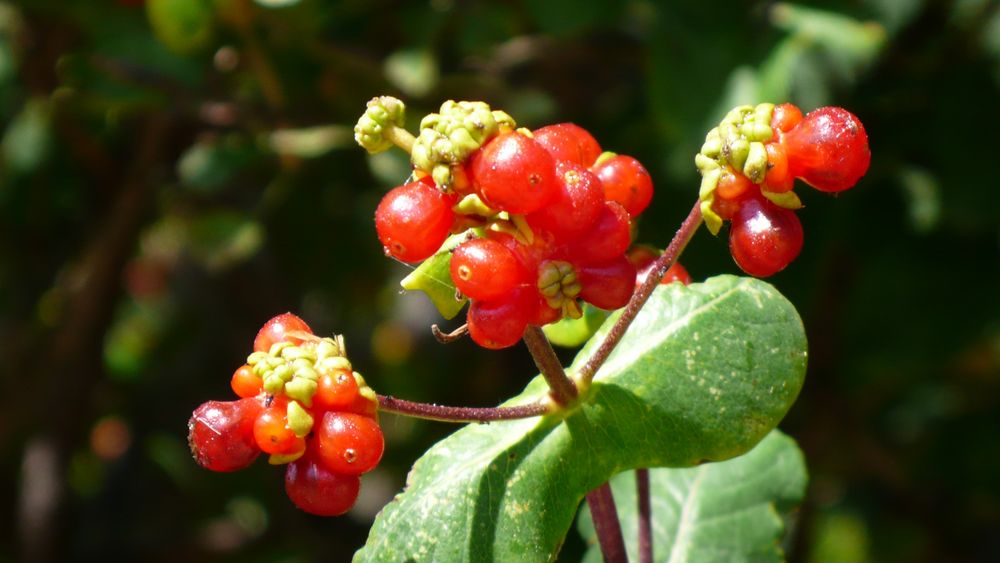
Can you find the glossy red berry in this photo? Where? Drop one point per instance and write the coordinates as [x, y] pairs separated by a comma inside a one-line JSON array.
[[627, 182], [413, 220], [578, 202], [608, 237], [513, 173], [220, 434], [485, 269], [732, 185], [317, 490], [349, 443], [643, 256], [245, 383], [272, 433], [336, 390], [500, 324], [609, 285], [828, 149], [777, 178], [570, 142], [764, 238], [785, 117], [278, 329]]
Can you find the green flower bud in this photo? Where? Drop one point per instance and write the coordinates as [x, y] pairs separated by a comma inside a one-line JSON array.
[[755, 166], [299, 419], [301, 389], [382, 113]]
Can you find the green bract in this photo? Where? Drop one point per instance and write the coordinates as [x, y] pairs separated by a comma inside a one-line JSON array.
[[703, 374]]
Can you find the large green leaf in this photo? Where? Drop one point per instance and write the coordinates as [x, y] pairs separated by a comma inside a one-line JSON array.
[[726, 512], [704, 373]]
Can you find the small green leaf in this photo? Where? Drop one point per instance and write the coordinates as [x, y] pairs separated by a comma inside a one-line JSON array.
[[433, 277], [727, 511], [571, 333], [704, 373]]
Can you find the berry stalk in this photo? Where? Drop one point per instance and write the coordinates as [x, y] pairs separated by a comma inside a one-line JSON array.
[[606, 524], [645, 516], [561, 388], [684, 235], [443, 413]]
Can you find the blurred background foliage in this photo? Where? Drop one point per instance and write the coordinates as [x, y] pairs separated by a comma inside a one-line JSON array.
[[175, 172]]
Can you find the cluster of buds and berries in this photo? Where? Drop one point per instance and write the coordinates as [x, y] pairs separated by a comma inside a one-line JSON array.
[[749, 164], [545, 216], [300, 402]]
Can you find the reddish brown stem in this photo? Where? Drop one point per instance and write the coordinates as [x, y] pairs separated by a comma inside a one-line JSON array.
[[645, 516], [606, 524], [684, 234], [561, 388], [445, 413]]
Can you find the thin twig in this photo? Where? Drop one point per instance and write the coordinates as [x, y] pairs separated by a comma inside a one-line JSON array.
[[561, 388], [645, 516], [449, 337], [606, 524], [445, 413], [684, 234]]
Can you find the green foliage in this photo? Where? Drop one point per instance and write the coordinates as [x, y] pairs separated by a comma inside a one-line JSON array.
[[726, 511], [707, 371]]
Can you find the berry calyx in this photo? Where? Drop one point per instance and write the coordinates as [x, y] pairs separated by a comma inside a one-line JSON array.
[[828, 149], [413, 220], [764, 238], [317, 490], [349, 443], [220, 434], [513, 173], [568, 142], [627, 182], [281, 328]]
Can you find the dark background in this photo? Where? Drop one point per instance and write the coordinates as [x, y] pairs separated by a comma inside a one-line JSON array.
[[170, 180]]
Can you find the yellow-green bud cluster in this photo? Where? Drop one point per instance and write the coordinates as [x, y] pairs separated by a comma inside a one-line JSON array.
[[450, 136], [558, 284], [382, 114], [293, 370], [738, 143]]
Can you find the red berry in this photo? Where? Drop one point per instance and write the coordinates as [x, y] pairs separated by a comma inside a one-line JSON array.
[[609, 285], [364, 406], [220, 434], [785, 117], [500, 324], [828, 149], [349, 443], [732, 184], [272, 433], [485, 269], [245, 383], [642, 257], [277, 330], [566, 141], [627, 182], [764, 238], [336, 390], [608, 237], [777, 178], [578, 202], [317, 490], [513, 173], [414, 219]]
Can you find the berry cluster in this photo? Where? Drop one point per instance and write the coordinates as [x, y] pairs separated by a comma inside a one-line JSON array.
[[301, 403], [750, 162], [546, 215]]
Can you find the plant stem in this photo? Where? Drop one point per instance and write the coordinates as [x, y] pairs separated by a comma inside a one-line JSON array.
[[684, 234], [645, 516], [400, 137], [445, 413], [606, 524], [561, 388]]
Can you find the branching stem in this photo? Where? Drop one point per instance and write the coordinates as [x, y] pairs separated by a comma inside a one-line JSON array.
[[462, 415], [561, 388]]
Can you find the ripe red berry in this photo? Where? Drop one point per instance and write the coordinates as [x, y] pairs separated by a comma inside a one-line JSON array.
[[777, 178], [500, 324], [578, 202], [732, 184], [642, 257], [828, 149], [414, 219], [608, 237], [336, 390], [609, 285], [566, 141], [272, 433], [513, 173], [317, 490], [277, 330], [485, 269], [220, 434], [349, 443], [785, 117], [764, 238], [626, 181], [245, 383]]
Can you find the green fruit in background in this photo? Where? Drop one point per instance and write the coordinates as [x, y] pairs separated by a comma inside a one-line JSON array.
[[184, 26]]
